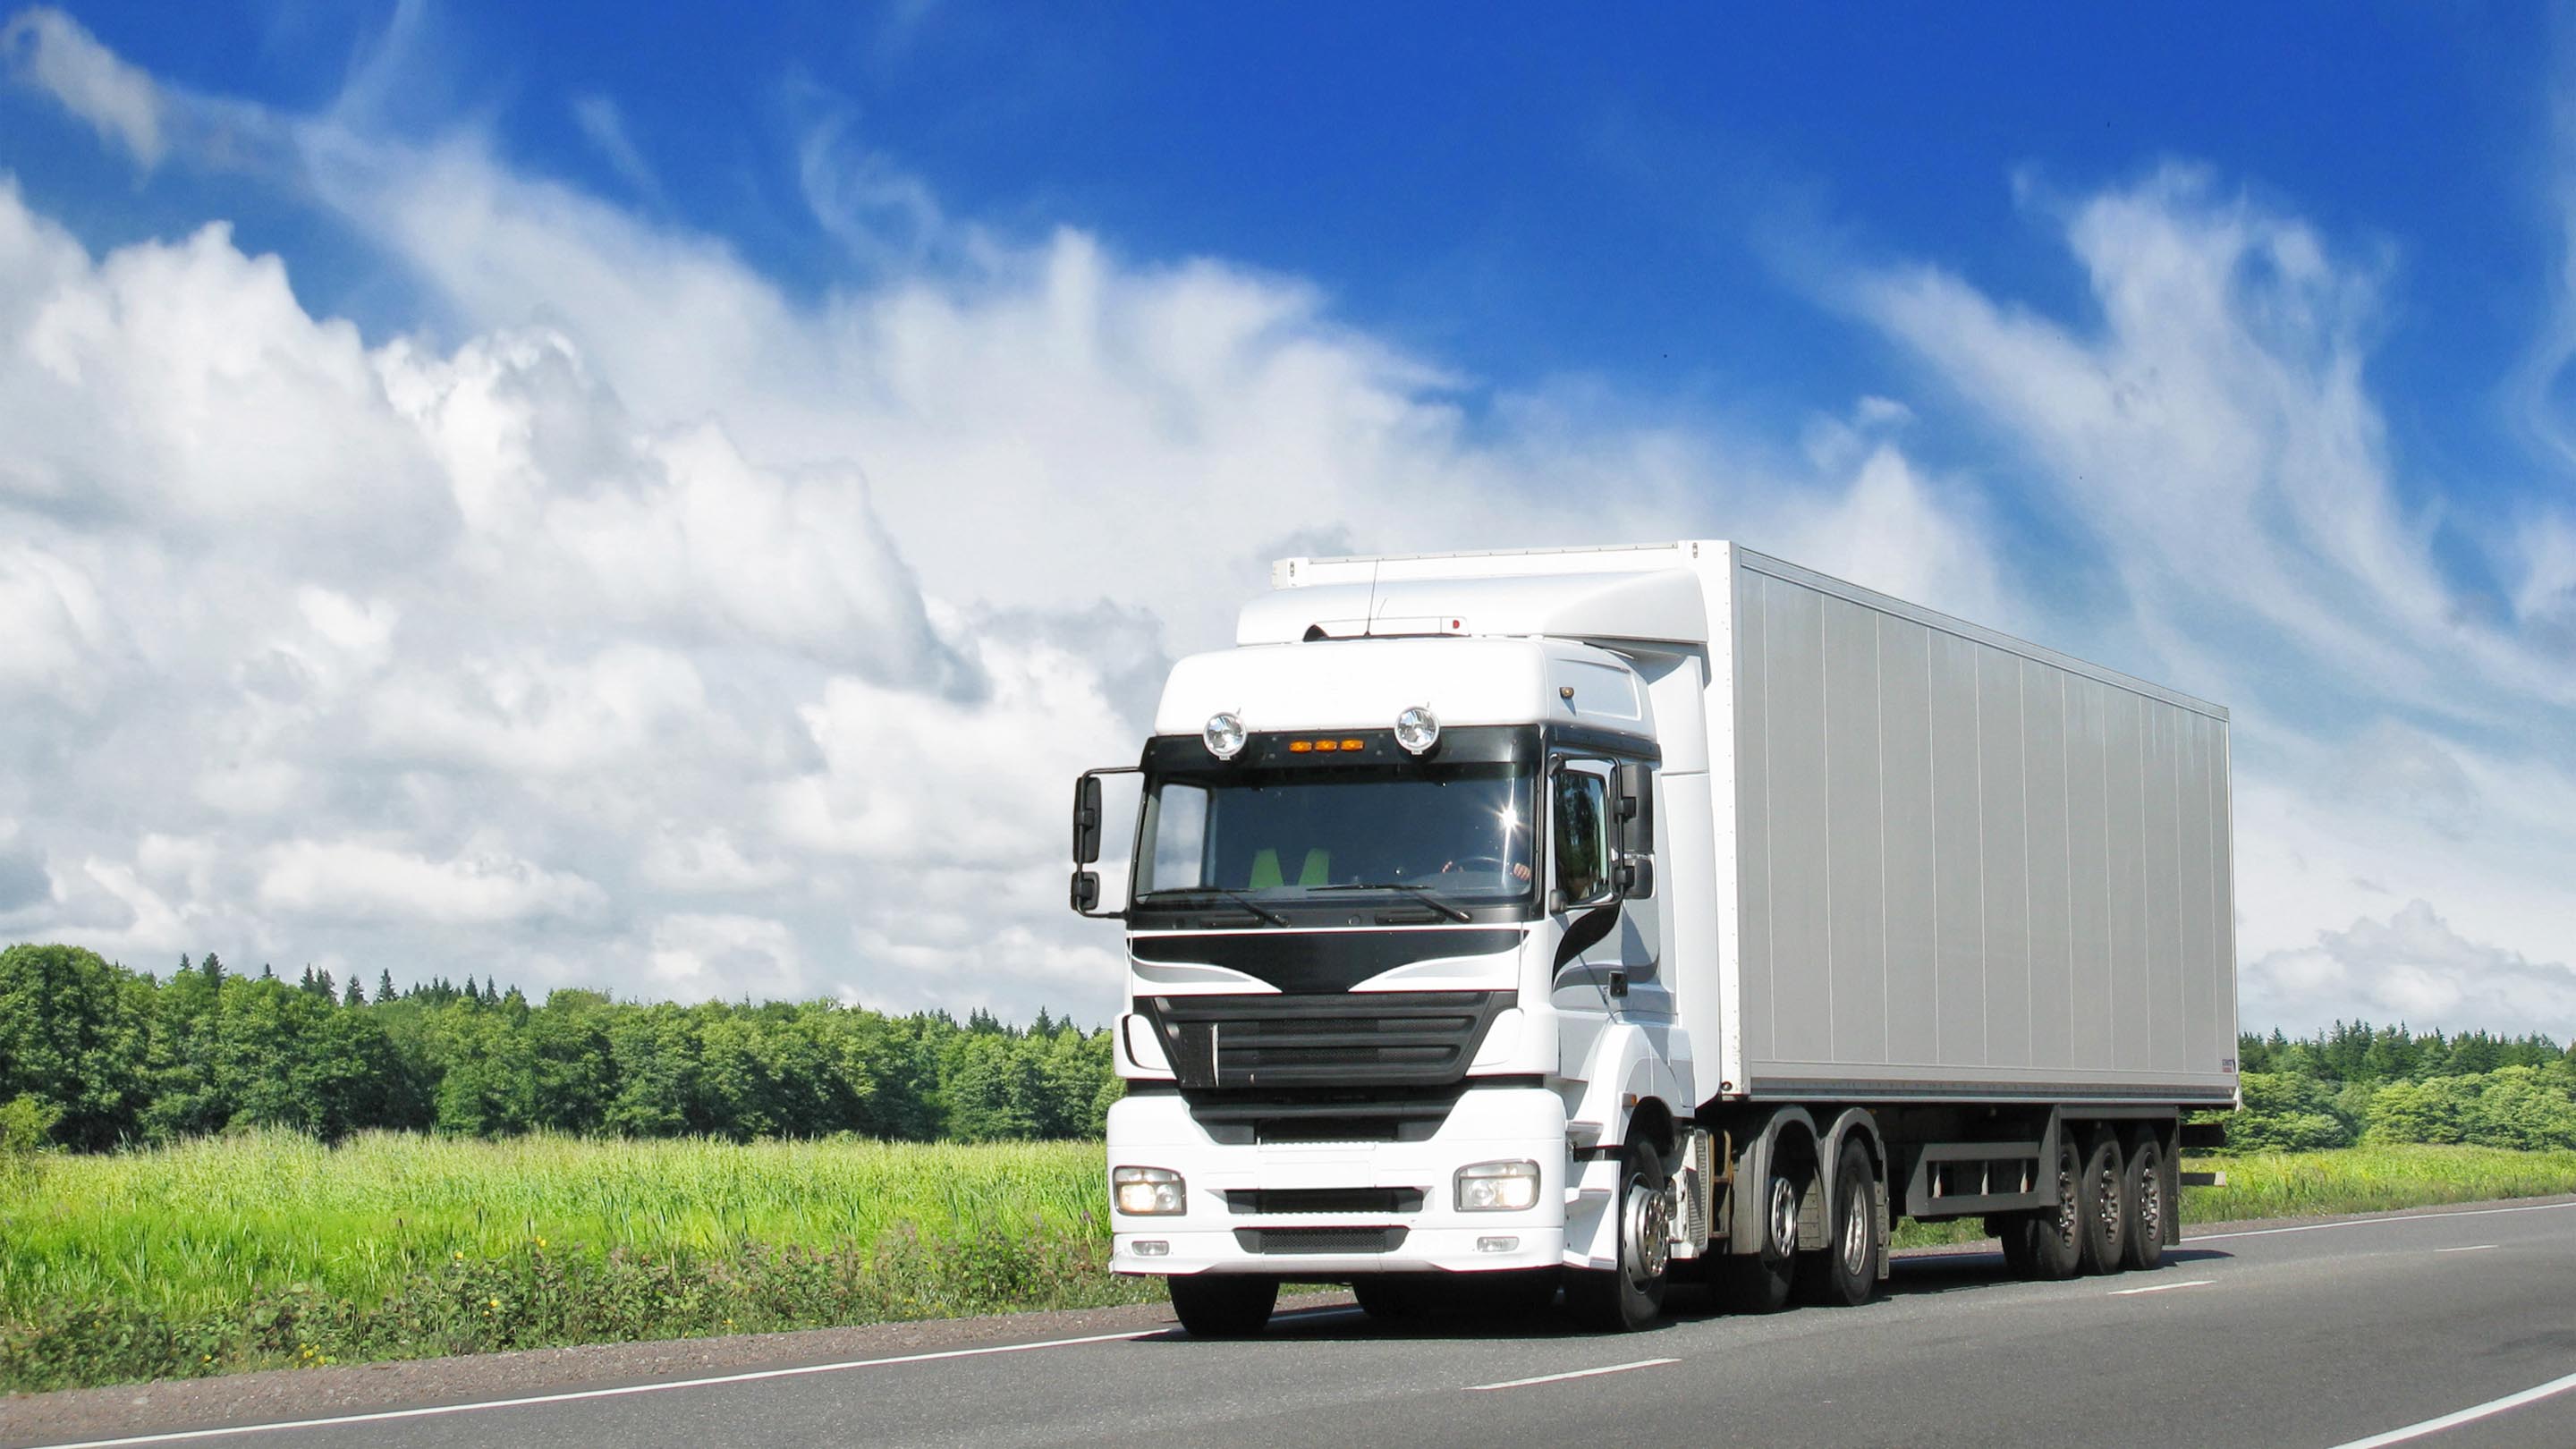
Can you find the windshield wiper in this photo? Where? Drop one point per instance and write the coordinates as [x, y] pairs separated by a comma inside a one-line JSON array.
[[1427, 895], [1238, 897]]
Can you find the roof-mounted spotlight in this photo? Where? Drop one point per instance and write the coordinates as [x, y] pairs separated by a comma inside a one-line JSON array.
[[1224, 736], [1417, 729]]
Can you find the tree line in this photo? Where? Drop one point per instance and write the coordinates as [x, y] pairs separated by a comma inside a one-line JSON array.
[[2356, 1083], [94, 1056]]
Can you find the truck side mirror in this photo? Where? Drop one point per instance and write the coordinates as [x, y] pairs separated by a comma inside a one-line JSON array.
[[1086, 891], [1636, 809], [1086, 828]]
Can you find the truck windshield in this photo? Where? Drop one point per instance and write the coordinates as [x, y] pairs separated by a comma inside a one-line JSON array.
[[1458, 834]]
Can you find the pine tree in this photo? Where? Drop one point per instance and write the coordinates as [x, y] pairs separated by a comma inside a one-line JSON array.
[[384, 987], [267, 972], [213, 969], [353, 996]]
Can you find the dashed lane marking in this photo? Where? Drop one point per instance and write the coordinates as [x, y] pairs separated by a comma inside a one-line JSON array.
[[1616, 1368], [2162, 1287]]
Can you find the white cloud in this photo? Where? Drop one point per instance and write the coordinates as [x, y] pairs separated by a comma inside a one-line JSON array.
[[47, 48], [696, 956], [359, 881], [2411, 967]]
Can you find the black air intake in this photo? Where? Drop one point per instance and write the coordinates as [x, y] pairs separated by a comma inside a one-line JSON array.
[[1341, 1039]]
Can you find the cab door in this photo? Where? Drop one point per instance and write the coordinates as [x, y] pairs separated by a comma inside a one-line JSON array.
[[1600, 893]]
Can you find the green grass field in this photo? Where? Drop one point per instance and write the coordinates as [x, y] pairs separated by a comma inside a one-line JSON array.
[[263, 1250]]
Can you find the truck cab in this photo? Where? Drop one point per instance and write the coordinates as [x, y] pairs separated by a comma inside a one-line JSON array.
[[1396, 982]]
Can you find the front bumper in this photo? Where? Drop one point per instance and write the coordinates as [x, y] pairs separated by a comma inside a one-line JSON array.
[[1486, 1125]]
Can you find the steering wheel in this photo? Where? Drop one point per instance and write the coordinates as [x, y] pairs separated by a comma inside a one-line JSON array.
[[1494, 863]]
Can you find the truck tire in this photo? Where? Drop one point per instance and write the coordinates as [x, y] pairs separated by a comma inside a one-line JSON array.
[[2143, 1185], [2104, 1206], [1760, 1281], [1630, 1295], [1844, 1274], [2057, 1234], [1390, 1299], [1212, 1305], [2012, 1233]]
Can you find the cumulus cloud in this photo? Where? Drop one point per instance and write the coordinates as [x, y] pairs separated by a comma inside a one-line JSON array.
[[2411, 967], [360, 881]]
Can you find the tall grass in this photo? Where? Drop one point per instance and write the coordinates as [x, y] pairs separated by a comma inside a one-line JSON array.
[[191, 1227]]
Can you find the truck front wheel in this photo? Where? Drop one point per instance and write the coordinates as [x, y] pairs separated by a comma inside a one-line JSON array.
[[1630, 1295], [1224, 1305]]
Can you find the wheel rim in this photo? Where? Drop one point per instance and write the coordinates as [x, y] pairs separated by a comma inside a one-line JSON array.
[[2068, 1216], [1784, 1215], [1855, 1234], [2110, 1204], [1649, 1230], [2151, 1206]]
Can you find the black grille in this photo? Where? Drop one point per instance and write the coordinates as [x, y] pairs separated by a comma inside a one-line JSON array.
[[1340, 1039], [1340, 1201], [1319, 1240]]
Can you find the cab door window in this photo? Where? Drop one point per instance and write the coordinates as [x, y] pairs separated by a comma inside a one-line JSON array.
[[1581, 806]]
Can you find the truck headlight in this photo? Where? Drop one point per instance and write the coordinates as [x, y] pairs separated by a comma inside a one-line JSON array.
[[1497, 1187], [1145, 1192]]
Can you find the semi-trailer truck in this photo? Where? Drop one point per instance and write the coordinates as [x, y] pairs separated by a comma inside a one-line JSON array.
[[1584, 920]]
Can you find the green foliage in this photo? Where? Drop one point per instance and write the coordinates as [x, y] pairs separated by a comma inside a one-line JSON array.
[[25, 1124], [2385, 1086], [268, 1248], [122, 1059]]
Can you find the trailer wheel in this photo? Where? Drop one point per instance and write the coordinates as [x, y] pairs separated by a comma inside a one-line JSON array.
[[1630, 1295], [1229, 1305], [1759, 1282], [2105, 1200], [2057, 1235], [1845, 1272], [2012, 1232], [1389, 1300], [2143, 1187]]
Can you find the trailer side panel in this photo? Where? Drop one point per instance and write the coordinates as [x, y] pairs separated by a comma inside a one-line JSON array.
[[1970, 867]]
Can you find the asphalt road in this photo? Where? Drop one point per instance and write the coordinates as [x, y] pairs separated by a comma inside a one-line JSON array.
[[2312, 1335]]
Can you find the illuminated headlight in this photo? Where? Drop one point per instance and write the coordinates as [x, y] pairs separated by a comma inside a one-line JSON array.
[[1417, 729], [1224, 736], [1145, 1192], [1497, 1187]]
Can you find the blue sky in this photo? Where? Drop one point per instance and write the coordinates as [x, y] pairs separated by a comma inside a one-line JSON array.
[[2222, 343]]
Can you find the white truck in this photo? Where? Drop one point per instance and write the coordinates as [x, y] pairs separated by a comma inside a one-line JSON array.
[[1585, 919]]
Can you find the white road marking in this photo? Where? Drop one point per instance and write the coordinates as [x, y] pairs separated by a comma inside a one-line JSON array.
[[2162, 1287], [2471, 1248], [2373, 1222], [1616, 1368], [578, 1395], [2489, 1409]]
